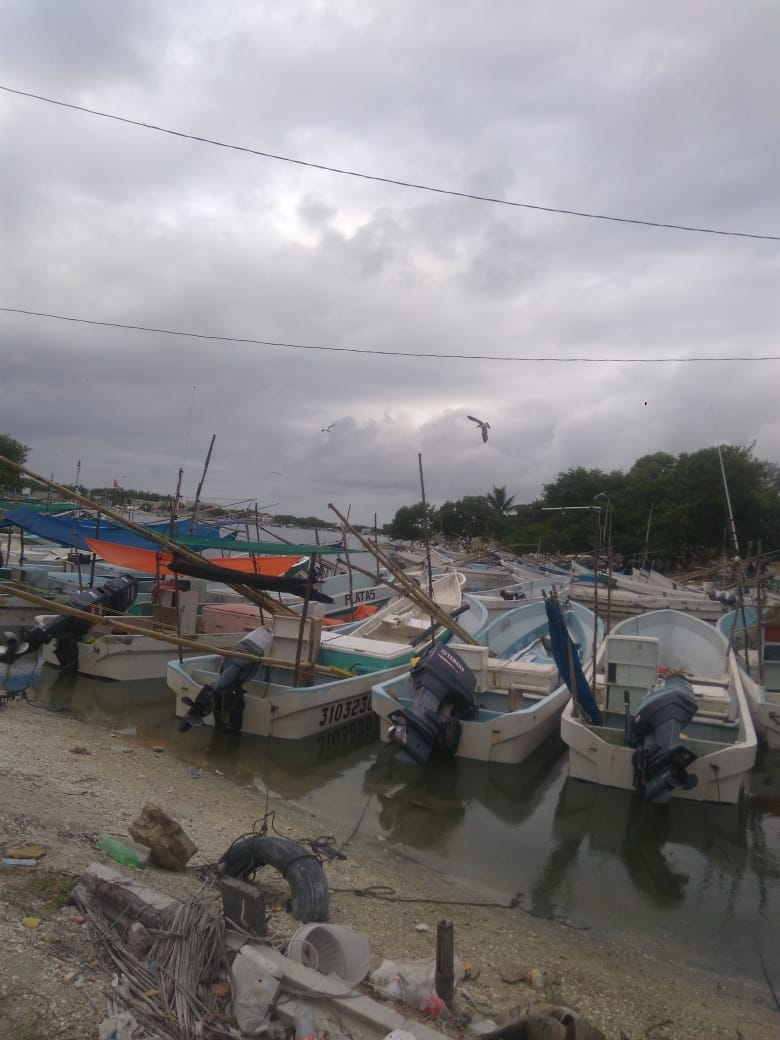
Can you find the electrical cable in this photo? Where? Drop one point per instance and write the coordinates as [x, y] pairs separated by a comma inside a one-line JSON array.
[[471, 196], [383, 353]]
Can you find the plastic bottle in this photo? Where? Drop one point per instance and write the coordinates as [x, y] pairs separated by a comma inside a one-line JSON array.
[[119, 851]]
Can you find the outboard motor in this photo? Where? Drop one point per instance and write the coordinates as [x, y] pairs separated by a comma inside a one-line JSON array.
[[225, 697], [116, 595], [444, 694], [661, 758]]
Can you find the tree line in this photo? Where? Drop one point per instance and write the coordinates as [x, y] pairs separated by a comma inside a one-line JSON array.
[[676, 508]]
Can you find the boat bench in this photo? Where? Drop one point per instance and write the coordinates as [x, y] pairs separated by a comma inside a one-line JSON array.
[[712, 697], [541, 678], [366, 645]]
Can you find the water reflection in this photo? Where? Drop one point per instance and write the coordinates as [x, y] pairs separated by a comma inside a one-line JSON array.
[[646, 839], [424, 806]]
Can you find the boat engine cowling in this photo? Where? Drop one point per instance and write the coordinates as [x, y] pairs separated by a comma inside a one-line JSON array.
[[224, 698], [116, 595], [444, 695], [662, 757]]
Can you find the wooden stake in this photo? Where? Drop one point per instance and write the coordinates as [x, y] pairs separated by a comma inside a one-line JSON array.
[[411, 591]]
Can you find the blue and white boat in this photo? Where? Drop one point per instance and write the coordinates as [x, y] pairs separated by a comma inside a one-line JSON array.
[[496, 702], [756, 647], [671, 717], [305, 680]]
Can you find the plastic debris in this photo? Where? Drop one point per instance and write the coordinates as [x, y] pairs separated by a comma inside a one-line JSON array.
[[118, 1027], [31, 922], [117, 850], [26, 852]]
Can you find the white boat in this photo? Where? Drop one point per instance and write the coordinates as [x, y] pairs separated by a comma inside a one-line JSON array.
[[620, 597], [672, 719], [332, 686], [104, 650], [757, 649], [510, 597], [355, 596], [394, 633], [492, 703], [270, 697]]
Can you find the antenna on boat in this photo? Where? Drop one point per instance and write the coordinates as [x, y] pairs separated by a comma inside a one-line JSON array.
[[732, 525], [196, 504], [426, 537]]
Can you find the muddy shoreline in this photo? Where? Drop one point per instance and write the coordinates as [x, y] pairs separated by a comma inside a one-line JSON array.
[[63, 782]]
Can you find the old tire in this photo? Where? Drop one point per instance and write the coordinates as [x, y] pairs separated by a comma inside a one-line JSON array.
[[298, 866]]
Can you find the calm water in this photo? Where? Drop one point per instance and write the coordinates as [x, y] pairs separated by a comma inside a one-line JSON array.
[[701, 879]]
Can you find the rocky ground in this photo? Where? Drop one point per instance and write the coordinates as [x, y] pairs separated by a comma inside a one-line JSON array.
[[64, 782]]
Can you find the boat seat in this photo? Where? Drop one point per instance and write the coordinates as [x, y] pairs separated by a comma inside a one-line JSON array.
[[631, 667], [713, 700], [530, 675], [364, 645]]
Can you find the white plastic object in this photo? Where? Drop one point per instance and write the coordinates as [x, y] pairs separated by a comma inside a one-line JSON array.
[[332, 949]]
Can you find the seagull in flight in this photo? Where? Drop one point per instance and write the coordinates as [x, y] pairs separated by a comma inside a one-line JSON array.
[[327, 429], [484, 426]]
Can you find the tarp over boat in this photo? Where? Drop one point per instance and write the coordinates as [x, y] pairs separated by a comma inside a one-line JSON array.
[[214, 572], [157, 561], [73, 531], [567, 659], [266, 548]]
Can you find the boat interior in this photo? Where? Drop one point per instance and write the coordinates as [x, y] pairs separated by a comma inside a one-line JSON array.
[[630, 667]]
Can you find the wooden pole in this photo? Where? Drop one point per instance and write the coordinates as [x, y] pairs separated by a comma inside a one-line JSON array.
[[444, 978], [253, 595], [411, 591], [426, 533]]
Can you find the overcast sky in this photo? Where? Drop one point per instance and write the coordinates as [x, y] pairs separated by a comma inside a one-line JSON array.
[[417, 308]]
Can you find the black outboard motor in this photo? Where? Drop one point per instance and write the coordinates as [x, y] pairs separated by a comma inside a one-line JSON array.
[[116, 595], [661, 758], [225, 697], [444, 694]]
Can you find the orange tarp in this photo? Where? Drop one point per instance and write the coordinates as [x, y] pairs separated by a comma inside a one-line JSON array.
[[153, 561]]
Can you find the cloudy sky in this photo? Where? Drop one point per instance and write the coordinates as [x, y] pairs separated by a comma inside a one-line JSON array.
[[389, 312]]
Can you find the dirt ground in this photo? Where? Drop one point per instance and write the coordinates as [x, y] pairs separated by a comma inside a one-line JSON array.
[[64, 782]]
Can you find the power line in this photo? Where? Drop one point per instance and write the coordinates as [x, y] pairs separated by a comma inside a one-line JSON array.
[[381, 353], [386, 180]]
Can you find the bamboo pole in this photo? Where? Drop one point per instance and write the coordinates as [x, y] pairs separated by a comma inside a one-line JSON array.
[[411, 591], [182, 641], [253, 595]]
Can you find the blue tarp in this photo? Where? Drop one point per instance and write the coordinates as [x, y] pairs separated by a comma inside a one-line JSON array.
[[71, 531], [567, 659]]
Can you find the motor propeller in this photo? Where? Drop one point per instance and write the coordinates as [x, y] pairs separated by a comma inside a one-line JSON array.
[[12, 649]]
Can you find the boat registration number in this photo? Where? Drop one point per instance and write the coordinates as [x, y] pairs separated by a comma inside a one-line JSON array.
[[339, 736], [331, 714]]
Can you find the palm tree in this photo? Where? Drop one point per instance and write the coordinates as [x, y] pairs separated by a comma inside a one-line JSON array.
[[500, 501]]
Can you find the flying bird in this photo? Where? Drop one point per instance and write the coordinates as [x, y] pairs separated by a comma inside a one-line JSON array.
[[327, 429], [484, 426]]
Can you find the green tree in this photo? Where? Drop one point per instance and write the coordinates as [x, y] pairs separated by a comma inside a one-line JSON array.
[[469, 517], [499, 500], [409, 523], [16, 452]]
